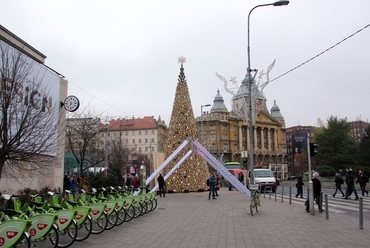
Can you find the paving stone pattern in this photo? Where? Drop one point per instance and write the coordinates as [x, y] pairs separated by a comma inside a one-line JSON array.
[[191, 220]]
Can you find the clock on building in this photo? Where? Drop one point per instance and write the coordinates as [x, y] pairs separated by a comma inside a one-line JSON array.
[[71, 103]]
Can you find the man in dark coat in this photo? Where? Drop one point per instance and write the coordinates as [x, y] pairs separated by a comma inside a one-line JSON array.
[[161, 185], [350, 181], [299, 186], [362, 179], [66, 183]]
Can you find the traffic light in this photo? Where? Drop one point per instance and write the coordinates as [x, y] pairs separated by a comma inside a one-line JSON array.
[[313, 149], [245, 164]]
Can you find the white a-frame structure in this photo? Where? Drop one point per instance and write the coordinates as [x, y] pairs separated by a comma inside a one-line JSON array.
[[201, 151]]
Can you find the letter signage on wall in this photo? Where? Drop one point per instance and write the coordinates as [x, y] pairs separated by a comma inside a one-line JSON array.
[[34, 86]]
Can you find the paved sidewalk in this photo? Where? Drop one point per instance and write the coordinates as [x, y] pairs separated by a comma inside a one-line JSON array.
[[191, 220]]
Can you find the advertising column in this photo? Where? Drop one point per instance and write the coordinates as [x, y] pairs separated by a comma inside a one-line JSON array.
[[299, 144]]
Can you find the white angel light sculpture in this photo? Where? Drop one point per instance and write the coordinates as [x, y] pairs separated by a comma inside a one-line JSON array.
[[238, 101]]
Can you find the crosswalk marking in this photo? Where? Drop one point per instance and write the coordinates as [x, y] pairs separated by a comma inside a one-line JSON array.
[[335, 205]]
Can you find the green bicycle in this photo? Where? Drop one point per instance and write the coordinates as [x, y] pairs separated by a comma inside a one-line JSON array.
[[14, 232], [41, 226], [255, 199]]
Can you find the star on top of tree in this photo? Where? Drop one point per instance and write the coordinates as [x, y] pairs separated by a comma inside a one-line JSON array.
[[181, 60]]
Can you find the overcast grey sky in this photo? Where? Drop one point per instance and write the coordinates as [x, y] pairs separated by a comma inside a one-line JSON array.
[[121, 56]]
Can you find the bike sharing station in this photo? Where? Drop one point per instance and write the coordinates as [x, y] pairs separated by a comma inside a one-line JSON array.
[[198, 149]]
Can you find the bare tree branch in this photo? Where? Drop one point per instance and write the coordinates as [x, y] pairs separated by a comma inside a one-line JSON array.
[[82, 135], [29, 114]]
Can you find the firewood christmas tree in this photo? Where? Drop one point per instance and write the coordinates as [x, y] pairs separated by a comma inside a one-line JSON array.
[[192, 174]]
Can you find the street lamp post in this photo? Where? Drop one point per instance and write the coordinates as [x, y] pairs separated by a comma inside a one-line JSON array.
[[201, 121], [251, 137], [150, 158], [106, 127]]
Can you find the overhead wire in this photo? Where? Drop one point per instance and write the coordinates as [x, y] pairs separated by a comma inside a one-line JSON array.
[[314, 57], [287, 72], [109, 105]]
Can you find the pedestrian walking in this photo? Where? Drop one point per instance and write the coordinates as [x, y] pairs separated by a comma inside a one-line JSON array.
[[350, 181], [316, 192], [135, 182], [299, 186], [217, 184], [212, 184], [66, 183], [362, 179], [128, 181], [83, 184], [338, 182], [74, 185], [161, 185], [241, 177]]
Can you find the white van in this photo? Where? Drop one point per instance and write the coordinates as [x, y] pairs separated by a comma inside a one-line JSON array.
[[265, 178]]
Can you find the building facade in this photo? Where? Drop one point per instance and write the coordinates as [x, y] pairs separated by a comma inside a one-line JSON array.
[[138, 137], [43, 89], [358, 128], [226, 135]]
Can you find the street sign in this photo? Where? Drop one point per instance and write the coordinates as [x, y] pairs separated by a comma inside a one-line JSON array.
[[244, 154]]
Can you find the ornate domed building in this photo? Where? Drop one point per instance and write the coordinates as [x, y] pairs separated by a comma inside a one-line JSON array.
[[226, 133]]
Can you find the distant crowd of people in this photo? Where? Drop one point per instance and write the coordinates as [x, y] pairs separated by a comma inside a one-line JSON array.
[[350, 179], [73, 183], [131, 181]]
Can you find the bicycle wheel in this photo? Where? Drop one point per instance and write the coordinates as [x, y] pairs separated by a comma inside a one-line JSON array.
[[144, 208], [138, 210], [25, 242], [130, 213], [112, 219], [149, 204], [99, 225], [154, 204], [68, 236], [54, 236], [121, 217], [253, 206], [85, 229]]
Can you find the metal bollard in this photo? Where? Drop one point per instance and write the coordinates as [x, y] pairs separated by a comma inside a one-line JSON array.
[[270, 195], [326, 207], [282, 195], [361, 213], [290, 195], [320, 202]]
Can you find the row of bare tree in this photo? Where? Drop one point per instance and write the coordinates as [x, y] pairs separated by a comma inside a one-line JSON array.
[[87, 141]]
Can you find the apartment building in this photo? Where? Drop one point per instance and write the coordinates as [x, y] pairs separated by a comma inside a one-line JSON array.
[[138, 136], [358, 128]]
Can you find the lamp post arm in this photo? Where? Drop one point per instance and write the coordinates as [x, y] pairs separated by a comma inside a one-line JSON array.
[[248, 49], [251, 135]]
